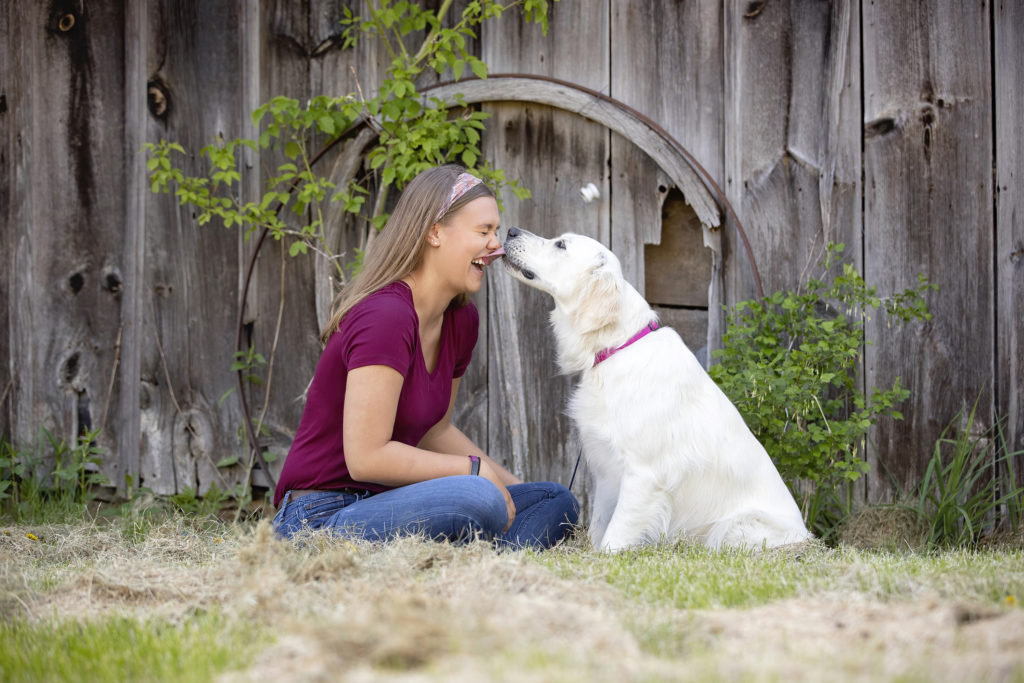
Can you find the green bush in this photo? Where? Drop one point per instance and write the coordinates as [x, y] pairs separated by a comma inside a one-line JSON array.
[[790, 364]]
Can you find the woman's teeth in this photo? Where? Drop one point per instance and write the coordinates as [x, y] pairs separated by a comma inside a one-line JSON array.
[[490, 258]]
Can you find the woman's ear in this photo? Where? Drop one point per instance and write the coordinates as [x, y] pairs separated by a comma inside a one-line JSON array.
[[598, 301], [434, 236]]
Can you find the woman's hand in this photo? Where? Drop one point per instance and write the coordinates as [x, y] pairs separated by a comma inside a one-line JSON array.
[[493, 476]]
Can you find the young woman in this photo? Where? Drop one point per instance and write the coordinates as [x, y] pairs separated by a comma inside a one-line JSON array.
[[376, 453]]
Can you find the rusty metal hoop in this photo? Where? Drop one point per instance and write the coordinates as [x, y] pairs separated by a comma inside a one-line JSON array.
[[699, 188]]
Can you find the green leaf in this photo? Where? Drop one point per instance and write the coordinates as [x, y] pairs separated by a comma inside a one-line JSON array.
[[292, 149], [326, 124], [227, 461], [478, 67]]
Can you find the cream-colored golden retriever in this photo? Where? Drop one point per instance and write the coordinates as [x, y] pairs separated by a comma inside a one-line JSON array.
[[669, 453]]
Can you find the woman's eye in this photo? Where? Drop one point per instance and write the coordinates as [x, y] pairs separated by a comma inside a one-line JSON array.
[[560, 244]]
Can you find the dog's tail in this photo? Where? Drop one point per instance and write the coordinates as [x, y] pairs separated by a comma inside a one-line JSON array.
[[755, 529]]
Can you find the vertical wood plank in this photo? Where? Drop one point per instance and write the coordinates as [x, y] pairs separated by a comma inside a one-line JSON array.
[[6, 229], [553, 154], [791, 145], [680, 87], [1009, 245], [280, 282], [136, 191], [66, 177], [928, 209], [191, 272]]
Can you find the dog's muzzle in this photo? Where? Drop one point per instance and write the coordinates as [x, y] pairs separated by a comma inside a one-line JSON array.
[[513, 248]]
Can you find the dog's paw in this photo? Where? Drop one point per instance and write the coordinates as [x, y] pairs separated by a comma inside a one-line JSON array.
[[613, 545]]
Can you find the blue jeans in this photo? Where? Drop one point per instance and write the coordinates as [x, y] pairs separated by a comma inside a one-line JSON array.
[[451, 508]]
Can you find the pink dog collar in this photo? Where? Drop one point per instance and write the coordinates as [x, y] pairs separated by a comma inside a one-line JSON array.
[[605, 354]]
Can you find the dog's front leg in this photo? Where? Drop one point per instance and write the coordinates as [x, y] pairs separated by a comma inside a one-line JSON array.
[[639, 513], [602, 508]]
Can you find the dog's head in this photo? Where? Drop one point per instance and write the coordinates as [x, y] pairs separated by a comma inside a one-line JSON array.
[[581, 275]]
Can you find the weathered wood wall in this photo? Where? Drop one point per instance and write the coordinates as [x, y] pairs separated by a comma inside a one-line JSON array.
[[1009, 235], [928, 208], [119, 312], [6, 245], [64, 225]]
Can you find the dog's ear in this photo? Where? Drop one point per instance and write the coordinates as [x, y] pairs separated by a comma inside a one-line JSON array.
[[599, 300]]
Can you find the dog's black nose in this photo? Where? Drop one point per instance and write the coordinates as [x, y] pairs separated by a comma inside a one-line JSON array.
[[514, 232]]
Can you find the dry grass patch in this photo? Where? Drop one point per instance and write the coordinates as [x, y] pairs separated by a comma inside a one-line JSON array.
[[325, 609]]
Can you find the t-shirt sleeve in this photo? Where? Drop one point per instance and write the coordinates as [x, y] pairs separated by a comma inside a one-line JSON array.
[[467, 325], [380, 330]]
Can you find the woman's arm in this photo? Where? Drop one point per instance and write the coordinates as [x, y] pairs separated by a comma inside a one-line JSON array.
[[371, 402], [444, 437]]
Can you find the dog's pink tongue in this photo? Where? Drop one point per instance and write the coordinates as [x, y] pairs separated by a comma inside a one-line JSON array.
[[494, 255]]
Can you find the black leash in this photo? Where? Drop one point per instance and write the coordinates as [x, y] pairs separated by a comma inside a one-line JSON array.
[[576, 468]]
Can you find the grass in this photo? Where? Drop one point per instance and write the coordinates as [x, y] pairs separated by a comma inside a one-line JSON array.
[[678, 575], [180, 598], [118, 648]]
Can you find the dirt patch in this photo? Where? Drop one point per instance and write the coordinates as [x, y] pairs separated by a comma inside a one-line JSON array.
[[867, 641]]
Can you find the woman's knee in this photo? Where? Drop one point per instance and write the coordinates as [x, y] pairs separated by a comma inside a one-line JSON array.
[[569, 503], [561, 498], [480, 501]]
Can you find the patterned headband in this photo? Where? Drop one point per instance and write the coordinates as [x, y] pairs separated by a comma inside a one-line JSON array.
[[462, 185]]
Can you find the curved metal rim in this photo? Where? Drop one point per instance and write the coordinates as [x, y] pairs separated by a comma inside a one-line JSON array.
[[702, 173], [696, 166]]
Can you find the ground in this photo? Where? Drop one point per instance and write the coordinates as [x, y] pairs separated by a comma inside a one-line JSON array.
[[185, 599]]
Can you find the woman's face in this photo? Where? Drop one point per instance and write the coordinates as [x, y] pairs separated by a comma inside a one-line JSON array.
[[464, 244]]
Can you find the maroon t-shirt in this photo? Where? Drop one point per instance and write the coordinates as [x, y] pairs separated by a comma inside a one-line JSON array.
[[382, 329]]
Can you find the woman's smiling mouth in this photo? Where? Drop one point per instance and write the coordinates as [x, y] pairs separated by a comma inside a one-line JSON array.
[[483, 261]]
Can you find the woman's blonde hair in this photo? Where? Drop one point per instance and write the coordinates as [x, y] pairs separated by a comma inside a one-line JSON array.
[[398, 249]]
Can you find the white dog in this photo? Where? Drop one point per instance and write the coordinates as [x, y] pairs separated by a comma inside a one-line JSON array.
[[669, 453]]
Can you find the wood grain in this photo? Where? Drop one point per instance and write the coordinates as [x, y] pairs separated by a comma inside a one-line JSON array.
[[791, 136], [928, 209], [6, 230], [189, 297], [674, 76], [128, 410], [65, 124], [1009, 239]]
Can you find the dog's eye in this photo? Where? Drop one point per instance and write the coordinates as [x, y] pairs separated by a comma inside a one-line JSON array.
[[560, 244]]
